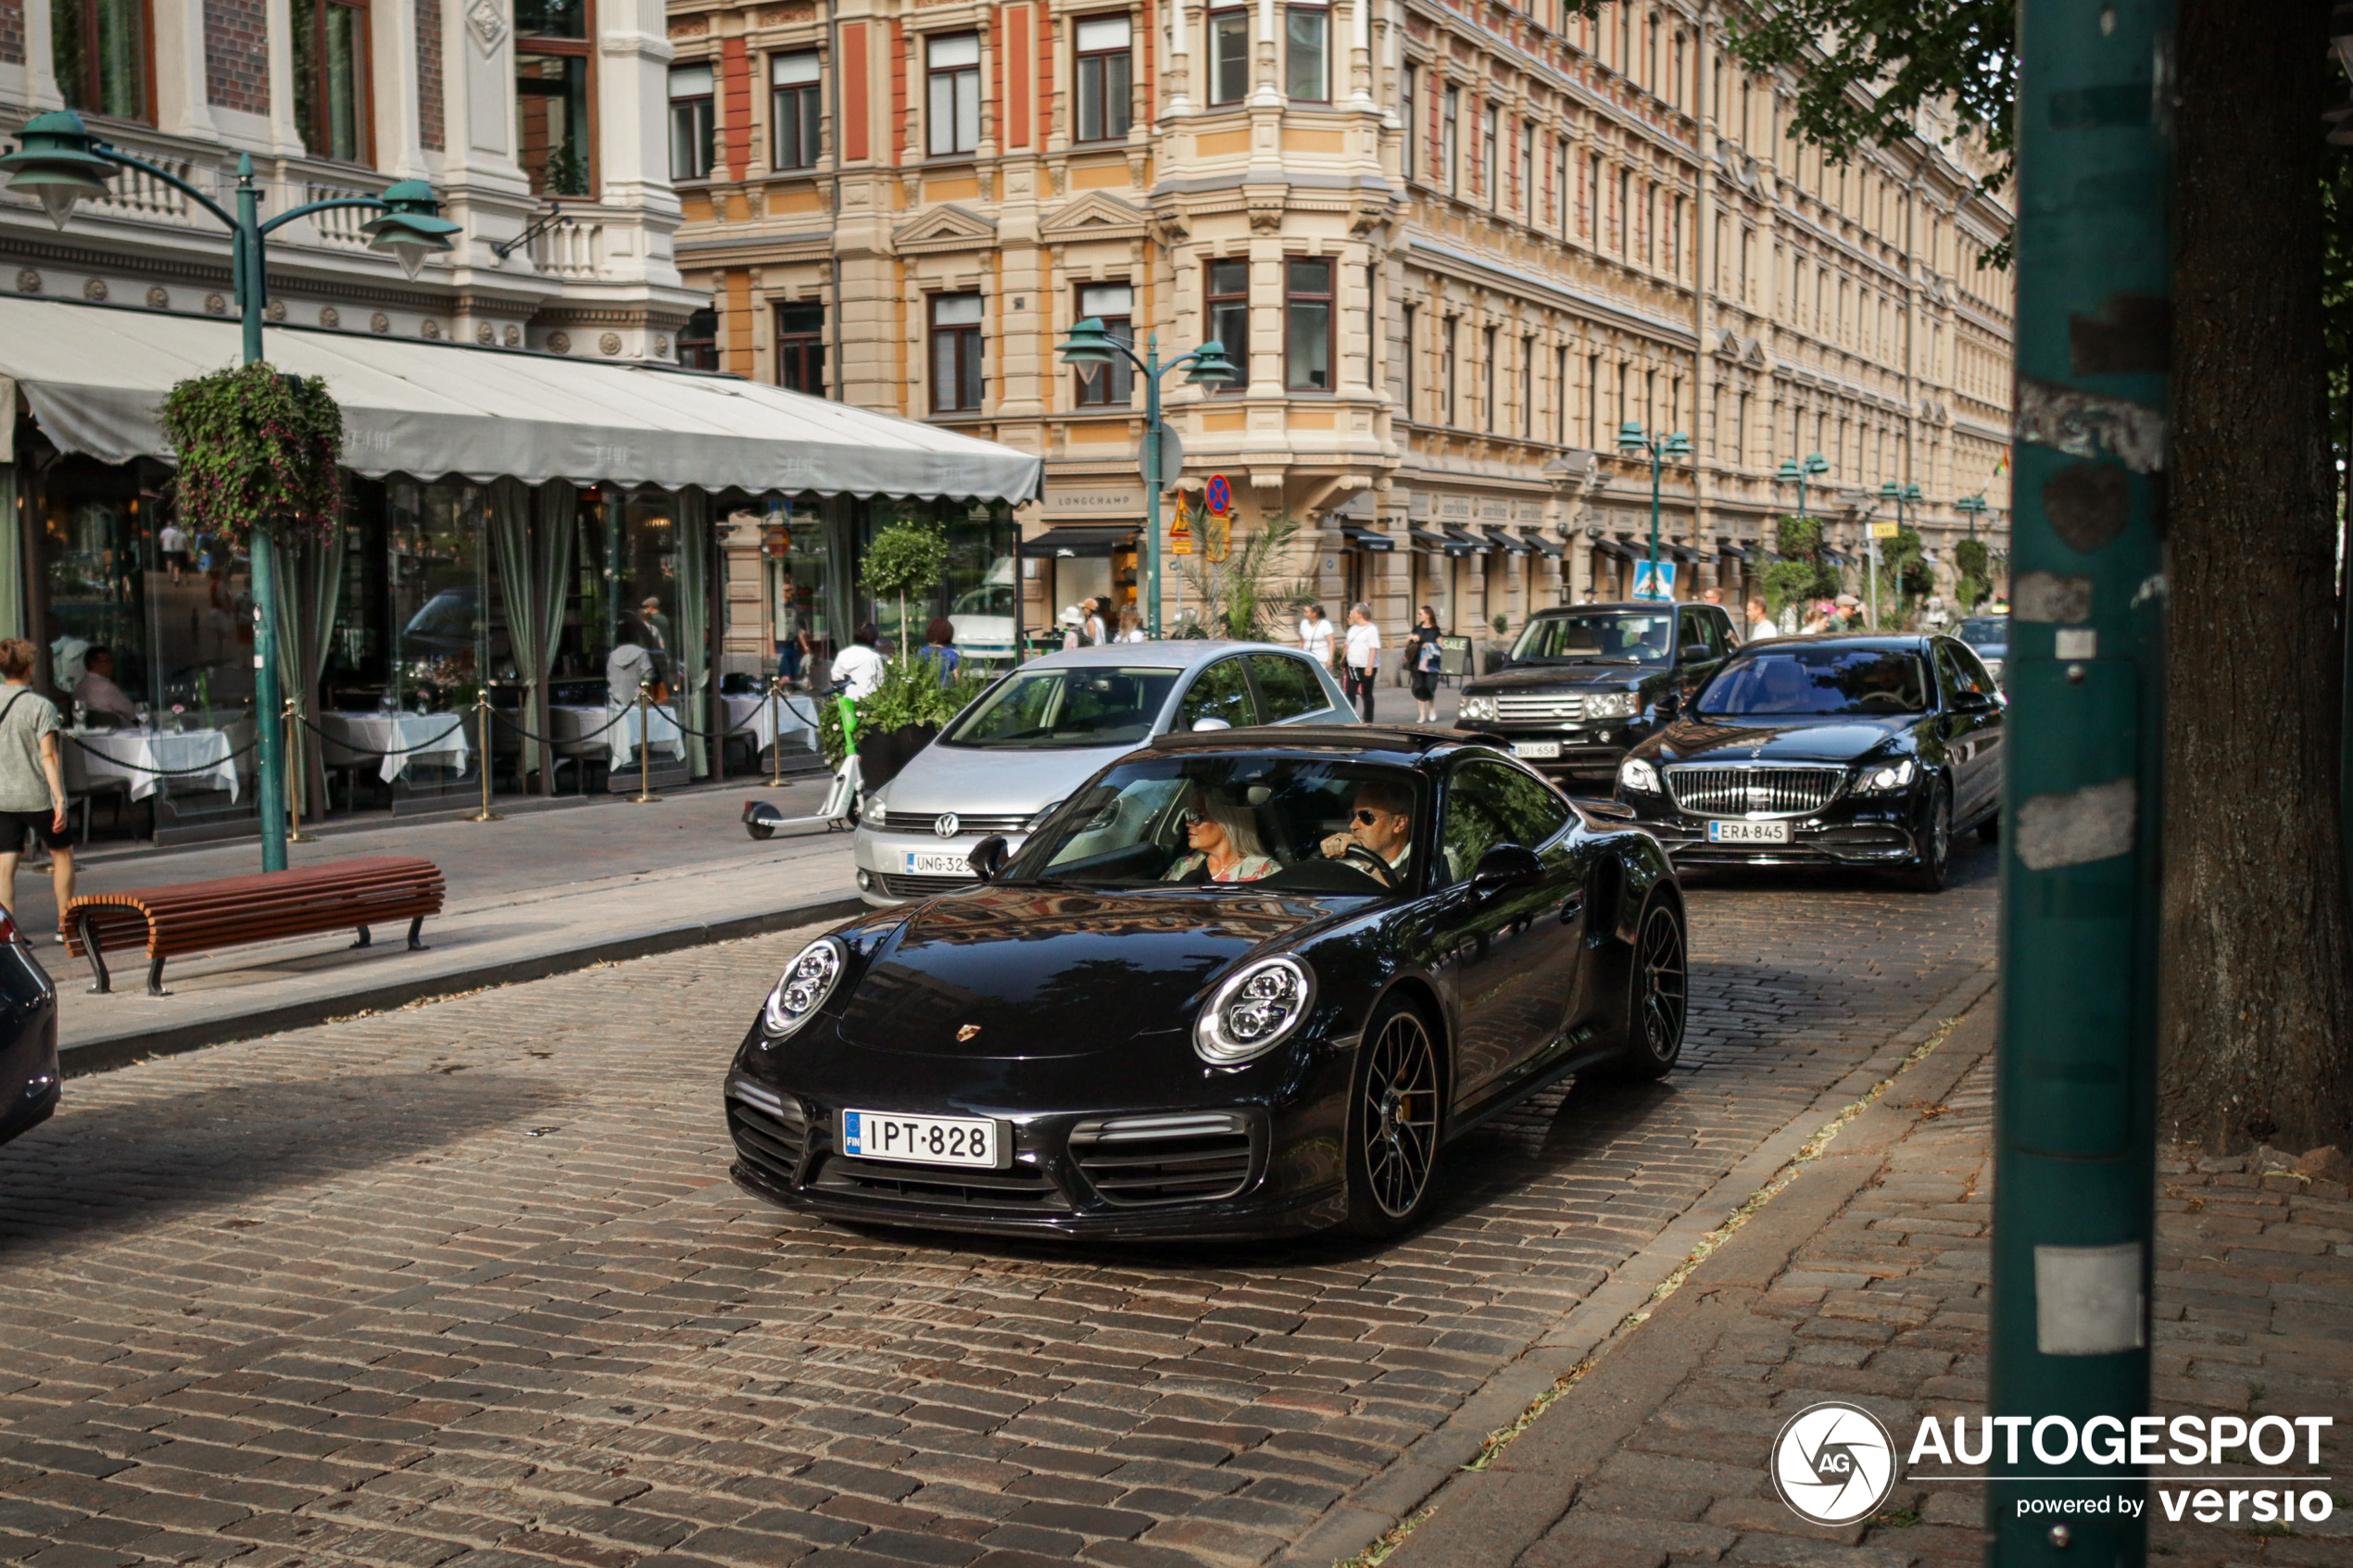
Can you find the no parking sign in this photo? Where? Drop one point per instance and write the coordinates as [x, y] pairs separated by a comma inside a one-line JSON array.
[[1219, 498]]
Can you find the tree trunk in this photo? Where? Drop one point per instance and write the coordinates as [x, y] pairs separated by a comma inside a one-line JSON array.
[[2257, 1028]]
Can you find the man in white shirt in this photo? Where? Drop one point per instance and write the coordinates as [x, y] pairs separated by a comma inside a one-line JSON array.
[[1760, 625], [106, 704], [860, 665], [173, 543], [1362, 653], [1315, 636]]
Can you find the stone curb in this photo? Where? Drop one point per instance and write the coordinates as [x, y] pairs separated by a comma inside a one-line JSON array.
[[1425, 1469], [120, 1050]]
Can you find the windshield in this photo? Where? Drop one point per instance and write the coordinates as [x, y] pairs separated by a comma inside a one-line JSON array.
[[1288, 824], [1615, 636], [1985, 630], [1816, 682], [1066, 708]]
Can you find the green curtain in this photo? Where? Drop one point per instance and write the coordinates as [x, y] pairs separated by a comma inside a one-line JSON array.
[[532, 532], [695, 703], [306, 589], [11, 544]]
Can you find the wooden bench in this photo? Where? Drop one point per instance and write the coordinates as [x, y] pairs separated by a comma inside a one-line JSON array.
[[196, 917]]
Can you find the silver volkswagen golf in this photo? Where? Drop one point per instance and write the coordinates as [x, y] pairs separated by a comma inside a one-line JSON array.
[[1046, 728]]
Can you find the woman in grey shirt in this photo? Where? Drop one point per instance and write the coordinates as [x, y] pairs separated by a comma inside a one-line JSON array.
[[32, 783]]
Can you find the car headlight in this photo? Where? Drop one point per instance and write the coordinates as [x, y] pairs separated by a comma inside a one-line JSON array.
[[1879, 781], [1255, 1008], [1612, 705], [1477, 709], [803, 987], [1636, 774], [1039, 820]]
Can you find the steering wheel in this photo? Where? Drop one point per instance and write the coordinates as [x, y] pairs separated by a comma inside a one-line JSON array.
[[1372, 865]]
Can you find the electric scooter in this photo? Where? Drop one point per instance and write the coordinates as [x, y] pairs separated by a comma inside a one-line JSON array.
[[762, 818]]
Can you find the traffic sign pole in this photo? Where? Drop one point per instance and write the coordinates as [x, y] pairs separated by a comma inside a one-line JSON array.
[[2075, 1084]]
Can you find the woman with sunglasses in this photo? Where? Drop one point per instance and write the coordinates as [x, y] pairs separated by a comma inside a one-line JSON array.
[[1224, 841]]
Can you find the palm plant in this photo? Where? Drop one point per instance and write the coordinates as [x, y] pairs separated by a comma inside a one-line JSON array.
[[1241, 597]]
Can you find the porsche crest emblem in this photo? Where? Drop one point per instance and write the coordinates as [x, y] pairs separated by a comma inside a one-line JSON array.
[[966, 1032]]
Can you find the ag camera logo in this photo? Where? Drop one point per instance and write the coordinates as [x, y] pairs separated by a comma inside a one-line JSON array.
[[1833, 1463]]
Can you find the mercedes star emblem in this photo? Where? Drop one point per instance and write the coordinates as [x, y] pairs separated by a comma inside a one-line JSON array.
[[946, 826]]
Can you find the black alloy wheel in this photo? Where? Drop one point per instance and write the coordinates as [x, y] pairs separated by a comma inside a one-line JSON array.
[[1932, 845], [1392, 1121], [1658, 995]]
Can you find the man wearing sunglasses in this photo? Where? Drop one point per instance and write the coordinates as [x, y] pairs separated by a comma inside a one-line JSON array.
[[1379, 834]]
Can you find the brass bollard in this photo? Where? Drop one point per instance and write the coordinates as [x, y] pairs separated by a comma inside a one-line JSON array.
[[482, 712], [775, 735], [297, 778], [645, 754]]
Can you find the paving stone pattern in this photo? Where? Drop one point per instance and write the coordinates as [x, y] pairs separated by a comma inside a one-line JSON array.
[[1887, 1306], [465, 1283]]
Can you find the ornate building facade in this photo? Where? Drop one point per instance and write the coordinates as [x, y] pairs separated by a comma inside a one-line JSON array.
[[1451, 246]]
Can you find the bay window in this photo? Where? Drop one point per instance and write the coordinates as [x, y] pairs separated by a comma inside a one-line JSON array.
[[1229, 300], [1307, 324], [1229, 55], [1306, 54]]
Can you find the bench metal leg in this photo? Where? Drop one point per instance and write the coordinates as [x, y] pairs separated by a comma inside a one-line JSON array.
[[363, 937], [155, 978], [87, 924], [415, 926]]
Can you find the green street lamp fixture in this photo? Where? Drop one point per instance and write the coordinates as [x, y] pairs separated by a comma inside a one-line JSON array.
[[1632, 443], [1796, 471], [1971, 508], [59, 162], [1089, 343]]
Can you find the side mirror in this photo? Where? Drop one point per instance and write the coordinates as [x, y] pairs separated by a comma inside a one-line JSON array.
[[1694, 653], [1506, 865], [1200, 724], [988, 856], [1670, 703], [1974, 702]]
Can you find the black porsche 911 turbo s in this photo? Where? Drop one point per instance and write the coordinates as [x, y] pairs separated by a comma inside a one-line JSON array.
[[1243, 983], [1855, 750], [29, 1072]]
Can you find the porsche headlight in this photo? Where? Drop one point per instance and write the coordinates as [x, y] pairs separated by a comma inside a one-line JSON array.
[[802, 989], [1478, 710], [1880, 780], [1253, 1009], [1636, 774], [1612, 705]]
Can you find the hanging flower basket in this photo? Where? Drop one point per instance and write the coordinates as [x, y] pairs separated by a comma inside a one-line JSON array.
[[256, 448]]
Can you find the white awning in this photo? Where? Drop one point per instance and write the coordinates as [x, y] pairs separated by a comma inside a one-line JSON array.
[[95, 377]]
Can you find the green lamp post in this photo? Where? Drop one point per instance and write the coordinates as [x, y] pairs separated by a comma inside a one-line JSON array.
[[1795, 471], [1089, 344], [1902, 496], [59, 162], [1971, 508], [1632, 443]]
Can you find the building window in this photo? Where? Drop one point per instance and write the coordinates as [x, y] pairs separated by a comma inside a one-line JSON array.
[[1487, 379], [1489, 185], [330, 79], [99, 48], [699, 341], [1446, 367], [1593, 401], [1450, 142], [1228, 56], [690, 122], [1409, 93], [1107, 385], [553, 62], [801, 348], [953, 64], [1527, 388], [1527, 171], [955, 353], [1307, 324], [1229, 299], [1105, 70], [1307, 54], [796, 105], [1560, 185], [1560, 396], [1411, 365]]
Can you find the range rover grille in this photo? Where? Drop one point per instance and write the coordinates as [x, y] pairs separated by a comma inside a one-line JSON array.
[[1738, 792], [1548, 708]]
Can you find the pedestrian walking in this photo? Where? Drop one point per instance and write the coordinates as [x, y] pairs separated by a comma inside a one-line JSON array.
[[1092, 633], [1425, 651], [860, 664], [1131, 627], [1760, 623], [1362, 652], [1315, 636], [33, 780]]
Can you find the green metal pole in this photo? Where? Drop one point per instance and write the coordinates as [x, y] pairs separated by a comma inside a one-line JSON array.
[[1152, 483], [2075, 1085], [270, 781], [1654, 467]]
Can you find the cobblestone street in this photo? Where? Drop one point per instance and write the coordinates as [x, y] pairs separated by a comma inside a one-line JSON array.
[[467, 1283]]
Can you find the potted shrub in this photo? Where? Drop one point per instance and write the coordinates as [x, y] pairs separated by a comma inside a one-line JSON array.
[[902, 715]]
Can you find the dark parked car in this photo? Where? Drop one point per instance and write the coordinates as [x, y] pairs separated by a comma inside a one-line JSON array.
[[1847, 750], [1099, 1039], [1582, 685], [28, 1077], [1989, 638]]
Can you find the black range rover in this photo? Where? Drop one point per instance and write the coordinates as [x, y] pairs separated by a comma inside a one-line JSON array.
[[1582, 685]]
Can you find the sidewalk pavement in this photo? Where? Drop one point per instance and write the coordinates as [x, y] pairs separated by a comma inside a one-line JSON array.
[[541, 891], [1863, 1276]]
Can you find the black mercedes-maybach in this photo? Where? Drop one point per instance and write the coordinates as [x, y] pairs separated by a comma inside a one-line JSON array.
[[1857, 750], [1243, 983]]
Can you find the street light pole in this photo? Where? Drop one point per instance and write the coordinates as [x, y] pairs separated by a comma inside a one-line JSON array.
[[1630, 439], [58, 161], [1091, 344], [2075, 1118]]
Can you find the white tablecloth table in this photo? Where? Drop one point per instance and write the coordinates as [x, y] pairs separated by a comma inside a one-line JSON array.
[[576, 724], [131, 755], [439, 737]]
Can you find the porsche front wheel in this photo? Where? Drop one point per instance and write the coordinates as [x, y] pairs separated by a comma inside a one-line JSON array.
[[1393, 1122], [1657, 994]]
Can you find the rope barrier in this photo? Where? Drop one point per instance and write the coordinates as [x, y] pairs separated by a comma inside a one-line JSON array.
[[113, 761], [438, 743], [552, 740]]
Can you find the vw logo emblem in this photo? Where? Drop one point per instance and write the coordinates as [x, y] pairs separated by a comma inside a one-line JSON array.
[[1833, 1463], [946, 826]]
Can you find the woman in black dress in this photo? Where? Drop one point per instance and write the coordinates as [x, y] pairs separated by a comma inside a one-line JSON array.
[[1422, 656]]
